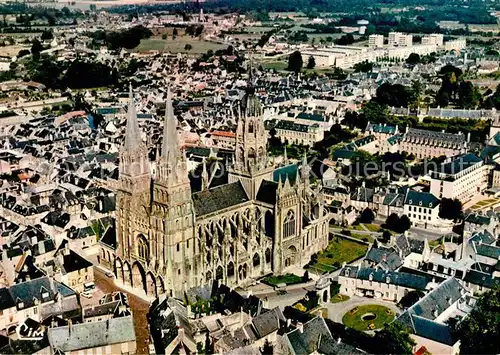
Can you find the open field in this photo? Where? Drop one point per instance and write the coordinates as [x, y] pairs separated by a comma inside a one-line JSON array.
[[10, 51], [177, 45]]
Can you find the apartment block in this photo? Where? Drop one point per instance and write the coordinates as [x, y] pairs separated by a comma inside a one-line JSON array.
[[376, 41], [398, 39], [461, 178], [436, 39]]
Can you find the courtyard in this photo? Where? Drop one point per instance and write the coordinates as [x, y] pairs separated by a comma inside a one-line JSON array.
[[368, 317]]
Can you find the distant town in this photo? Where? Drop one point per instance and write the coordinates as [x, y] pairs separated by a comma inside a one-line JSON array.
[[249, 177]]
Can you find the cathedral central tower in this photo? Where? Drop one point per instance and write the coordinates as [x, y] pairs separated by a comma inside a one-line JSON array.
[[251, 163]]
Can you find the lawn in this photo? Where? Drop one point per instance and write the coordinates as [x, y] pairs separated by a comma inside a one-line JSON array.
[[339, 298], [365, 237], [177, 45], [373, 227], [276, 65], [339, 250], [368, 317], [289, 279]]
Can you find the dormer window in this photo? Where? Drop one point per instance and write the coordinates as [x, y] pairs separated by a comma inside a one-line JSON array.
[[20, 304], [410, 202], [420, 203]]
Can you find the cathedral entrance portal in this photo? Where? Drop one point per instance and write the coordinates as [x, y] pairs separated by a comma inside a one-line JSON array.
[[291, 255]]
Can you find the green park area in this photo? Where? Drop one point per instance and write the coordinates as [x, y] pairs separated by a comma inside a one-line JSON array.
[[368, 317], [184, 44], [339, 250], [288, 279]]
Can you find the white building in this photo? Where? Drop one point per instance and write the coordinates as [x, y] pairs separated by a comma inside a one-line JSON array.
[[436, 39], [376, 41], [398, 39], [461, 178]]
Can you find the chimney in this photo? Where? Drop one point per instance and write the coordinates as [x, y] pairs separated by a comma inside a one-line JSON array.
[[288, 322], [300, 327], [70, 326]]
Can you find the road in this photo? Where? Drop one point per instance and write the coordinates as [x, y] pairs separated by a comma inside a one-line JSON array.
[[336, 311], [140, 308], [414, 232]]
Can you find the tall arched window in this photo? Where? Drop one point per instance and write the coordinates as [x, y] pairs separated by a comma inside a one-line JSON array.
[[142, 247], [250, 127], [289, 224]]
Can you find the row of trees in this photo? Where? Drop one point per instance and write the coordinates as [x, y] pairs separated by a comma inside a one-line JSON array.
[[129, 38]]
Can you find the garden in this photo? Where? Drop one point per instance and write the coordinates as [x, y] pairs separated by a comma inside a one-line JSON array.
[[368, 317], [288, 279]]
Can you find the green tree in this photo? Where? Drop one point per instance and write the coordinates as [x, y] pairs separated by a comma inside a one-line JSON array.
[[345, 40], [394, 338], [164, 36], [47, 35], [311, 63], [450, 209], [480, 331], [36, 48], [416, 91], [188, 47], [175, 33], [363, 67], [469, 96], [404, 224], [413, 59], [410, 299], [367, 216], [295, 62]]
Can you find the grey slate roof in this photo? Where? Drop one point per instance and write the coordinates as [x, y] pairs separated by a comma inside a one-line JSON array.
[[26, 292], [308, 341], [396, 278], [419, 318], [92, 334], [267, 192], [421, 199], [459, 164], [490, 251], [219, 198]]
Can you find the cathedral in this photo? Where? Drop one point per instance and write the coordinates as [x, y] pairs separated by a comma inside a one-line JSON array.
[[169, 239]]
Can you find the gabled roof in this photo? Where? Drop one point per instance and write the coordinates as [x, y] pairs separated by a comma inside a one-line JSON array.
[[92, 334], [421, 199], [308, 340], [219, 198], [287, 171], [267, 192]]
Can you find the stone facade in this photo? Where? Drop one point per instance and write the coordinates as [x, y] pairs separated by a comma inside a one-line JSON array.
[[170, 239], [428, 144]]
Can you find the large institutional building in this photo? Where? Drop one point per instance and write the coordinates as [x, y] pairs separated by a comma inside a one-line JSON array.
[[170, 239]]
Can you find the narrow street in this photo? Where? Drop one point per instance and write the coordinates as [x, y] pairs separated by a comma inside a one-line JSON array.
[[139, 307]]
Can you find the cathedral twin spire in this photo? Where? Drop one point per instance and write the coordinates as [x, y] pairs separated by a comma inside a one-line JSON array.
[[170, 146], [134, 159], [172, 163]]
